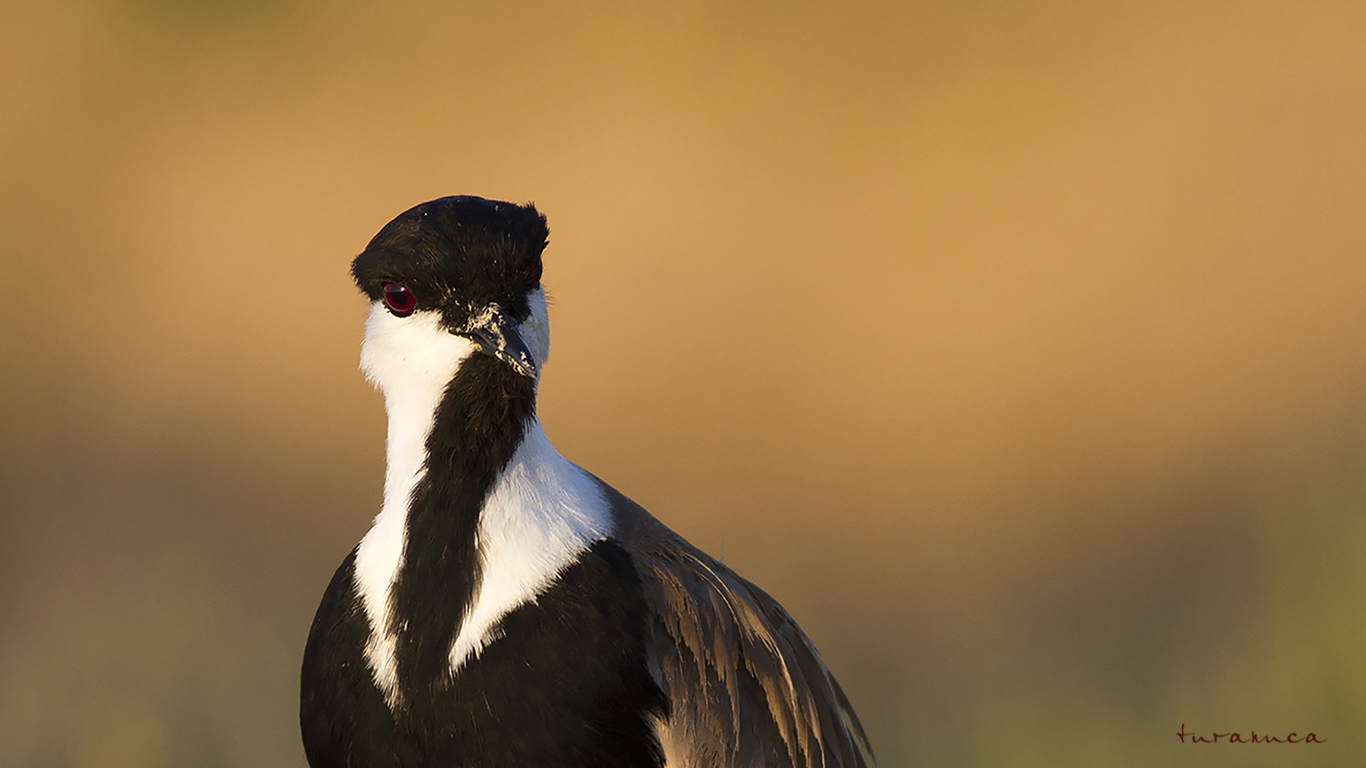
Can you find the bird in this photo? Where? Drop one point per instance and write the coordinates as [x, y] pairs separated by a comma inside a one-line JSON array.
[[507, 607]]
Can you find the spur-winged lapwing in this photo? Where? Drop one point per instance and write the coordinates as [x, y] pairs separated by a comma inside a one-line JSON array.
[[508, 608]]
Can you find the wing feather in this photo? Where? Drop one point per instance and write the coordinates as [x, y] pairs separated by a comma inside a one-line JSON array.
[[746, 686]]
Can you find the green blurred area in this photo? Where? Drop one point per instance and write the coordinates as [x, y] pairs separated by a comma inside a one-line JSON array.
[[1019, 349]]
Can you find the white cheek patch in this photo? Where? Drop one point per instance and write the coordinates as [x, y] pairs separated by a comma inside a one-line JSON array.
[[535, 330], [411, 360], [540, 516]]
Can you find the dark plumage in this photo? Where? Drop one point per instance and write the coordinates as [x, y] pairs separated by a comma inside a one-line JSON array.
[[507, 608]]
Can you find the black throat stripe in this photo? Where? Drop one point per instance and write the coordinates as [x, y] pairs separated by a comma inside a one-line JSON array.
[[479, 423], [566, 683]]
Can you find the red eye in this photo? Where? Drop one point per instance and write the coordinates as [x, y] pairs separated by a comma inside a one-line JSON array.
[[400, 300]]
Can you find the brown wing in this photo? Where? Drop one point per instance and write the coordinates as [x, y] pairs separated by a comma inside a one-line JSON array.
[[746, 686]]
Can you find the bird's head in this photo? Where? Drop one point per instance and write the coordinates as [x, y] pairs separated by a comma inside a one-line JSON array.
[[448, 279]]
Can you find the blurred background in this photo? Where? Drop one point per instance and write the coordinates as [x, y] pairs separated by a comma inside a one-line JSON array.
[[1018, 348]]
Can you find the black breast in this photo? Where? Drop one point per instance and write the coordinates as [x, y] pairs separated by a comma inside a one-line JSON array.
[[566, 684]]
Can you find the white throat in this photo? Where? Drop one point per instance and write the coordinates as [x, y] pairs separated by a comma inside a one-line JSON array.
[[540, 515]]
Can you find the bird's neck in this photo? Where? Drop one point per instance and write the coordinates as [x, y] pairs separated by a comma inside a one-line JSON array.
[[418, 568], [480, 515]]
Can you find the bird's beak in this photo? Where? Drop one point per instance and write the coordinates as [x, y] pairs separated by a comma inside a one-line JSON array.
[[496, 335]]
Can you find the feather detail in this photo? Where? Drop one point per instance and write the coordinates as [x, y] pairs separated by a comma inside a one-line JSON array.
[[746, 686]]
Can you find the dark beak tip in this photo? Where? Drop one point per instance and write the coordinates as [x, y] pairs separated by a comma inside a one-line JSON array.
[[497, 337]]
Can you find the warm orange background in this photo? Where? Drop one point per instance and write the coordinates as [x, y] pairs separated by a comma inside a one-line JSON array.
[[1019, 348]]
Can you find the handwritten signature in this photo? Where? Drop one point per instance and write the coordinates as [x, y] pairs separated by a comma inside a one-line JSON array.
[[1237, 738]]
